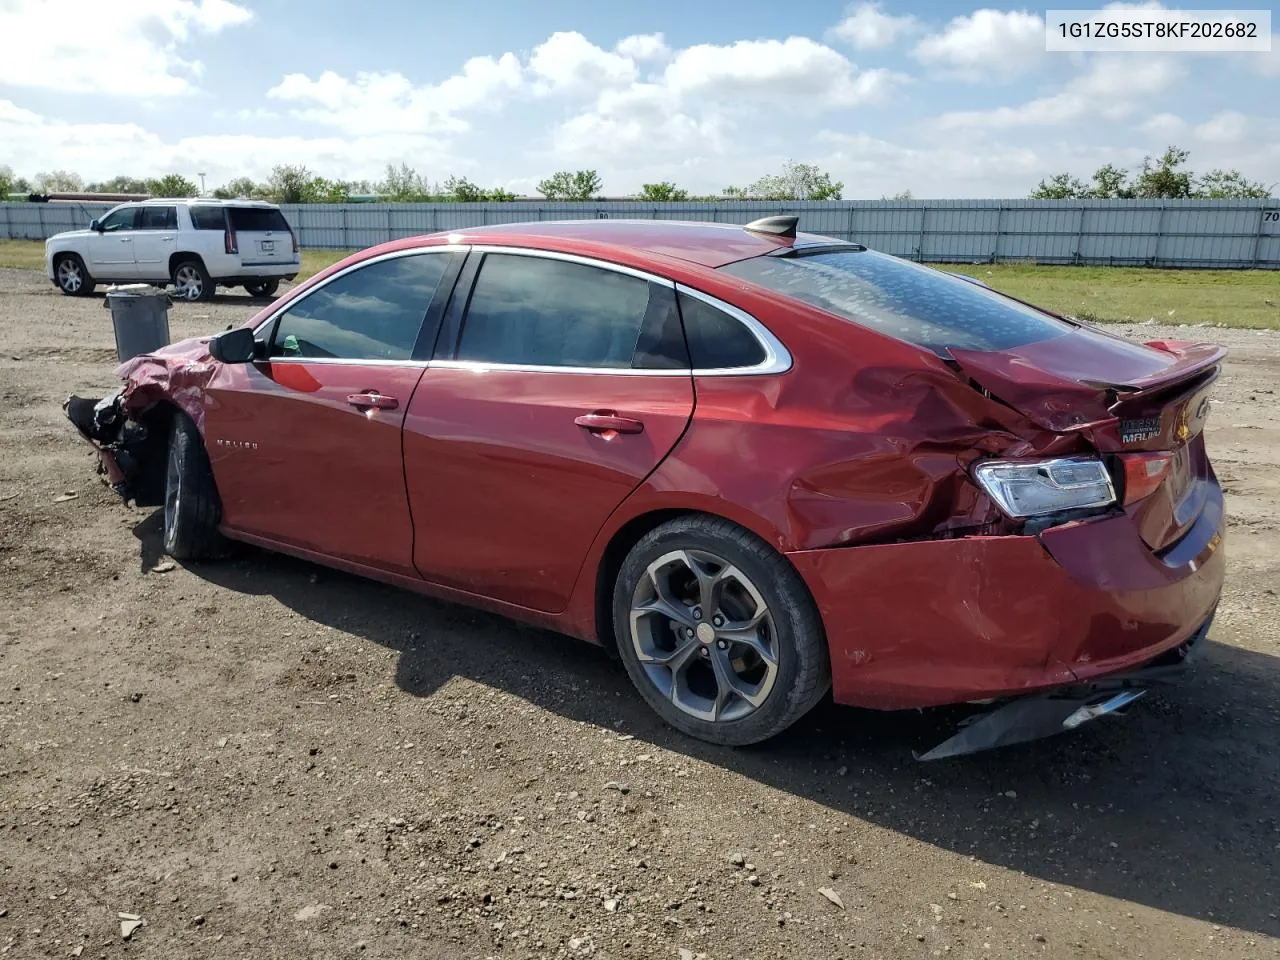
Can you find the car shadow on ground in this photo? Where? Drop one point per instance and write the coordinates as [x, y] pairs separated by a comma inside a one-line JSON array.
[[1171, 806]]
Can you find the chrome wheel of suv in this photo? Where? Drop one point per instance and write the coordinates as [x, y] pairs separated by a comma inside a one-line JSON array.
[[72, 277], [190, 282]]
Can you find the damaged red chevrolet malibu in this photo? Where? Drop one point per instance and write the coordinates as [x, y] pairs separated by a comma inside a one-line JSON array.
[[759, 465]]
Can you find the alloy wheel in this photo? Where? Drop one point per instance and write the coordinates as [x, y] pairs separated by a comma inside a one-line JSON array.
[[187, 282], [704, 636], [70, 276]]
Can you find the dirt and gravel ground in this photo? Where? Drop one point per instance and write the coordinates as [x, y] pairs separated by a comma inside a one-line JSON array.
[[261, 758]]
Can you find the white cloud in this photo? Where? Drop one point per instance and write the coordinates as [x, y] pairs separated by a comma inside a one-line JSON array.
[[693, 105], [1229, 127], [388, 103], [126, 47], [1110, 89], [1164, 125], [644, 46], [569, 62], [871, 167], [799, 72], [986, 44], [100, 150], [645, 117], [870, 28], [1266, 64]]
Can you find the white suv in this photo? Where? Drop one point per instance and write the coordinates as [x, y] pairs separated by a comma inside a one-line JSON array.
[[196, 245]]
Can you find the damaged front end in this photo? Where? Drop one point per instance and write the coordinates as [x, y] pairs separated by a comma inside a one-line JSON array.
[[129, 429], [130, 451]]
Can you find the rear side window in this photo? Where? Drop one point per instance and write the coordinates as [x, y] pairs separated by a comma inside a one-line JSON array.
[[257, 219], [208, 218], [904, 300], [544, 312], [157, 218], [372, 313], [717, 340]]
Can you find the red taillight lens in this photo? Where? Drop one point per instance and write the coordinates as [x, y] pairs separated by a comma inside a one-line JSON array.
[[1143, 473], [229, 240], [294, 237]]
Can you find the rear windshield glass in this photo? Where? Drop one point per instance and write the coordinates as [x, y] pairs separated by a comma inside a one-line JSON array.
[[257, 218], [902, 299], [207, 218]]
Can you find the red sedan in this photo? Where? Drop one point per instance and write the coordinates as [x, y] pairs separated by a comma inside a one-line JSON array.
[[757, 464]]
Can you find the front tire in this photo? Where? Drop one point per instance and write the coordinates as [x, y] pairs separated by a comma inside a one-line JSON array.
[[191, 281], [262, 288], [192, 509], [72, 276], [718, 632]]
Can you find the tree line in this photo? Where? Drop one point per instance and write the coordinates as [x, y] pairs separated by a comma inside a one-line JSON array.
[[294, 183], [1166, 177]]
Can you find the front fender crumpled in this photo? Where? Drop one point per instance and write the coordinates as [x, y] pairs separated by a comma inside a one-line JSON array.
[[177, 374]]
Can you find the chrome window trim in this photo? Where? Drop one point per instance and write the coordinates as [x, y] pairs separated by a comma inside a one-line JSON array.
[[393, 255], [575, 258], [348, 362], [484, 366], [777, 359]]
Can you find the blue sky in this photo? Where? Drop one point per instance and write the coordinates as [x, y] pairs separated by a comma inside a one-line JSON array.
[[943, 99]]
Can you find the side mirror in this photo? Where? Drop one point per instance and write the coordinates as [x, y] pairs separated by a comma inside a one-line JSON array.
[[95, 225], [233, 346]]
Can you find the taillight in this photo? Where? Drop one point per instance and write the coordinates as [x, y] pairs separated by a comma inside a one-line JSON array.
[[1143, 474], [294, 237], [1032, 488], [229, 240]]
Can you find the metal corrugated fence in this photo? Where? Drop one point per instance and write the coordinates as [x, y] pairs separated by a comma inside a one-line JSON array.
[[1158, 233]]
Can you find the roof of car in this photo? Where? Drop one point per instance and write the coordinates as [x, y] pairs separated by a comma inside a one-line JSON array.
[[211, 201], [708, 244]]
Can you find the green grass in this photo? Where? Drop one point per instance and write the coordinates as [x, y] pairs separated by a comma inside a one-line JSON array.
[[1233, 298], [29, 255]]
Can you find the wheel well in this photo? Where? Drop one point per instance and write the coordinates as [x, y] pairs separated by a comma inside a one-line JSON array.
[[627, 536], [148, 485], [177, 258]]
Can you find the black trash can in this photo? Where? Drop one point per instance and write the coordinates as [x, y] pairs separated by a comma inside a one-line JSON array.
[[140, 316]]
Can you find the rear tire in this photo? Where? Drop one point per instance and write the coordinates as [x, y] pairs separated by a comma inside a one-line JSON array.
[[263, 288], [191, 281], [73, 276], [719, 632], [192, 509]]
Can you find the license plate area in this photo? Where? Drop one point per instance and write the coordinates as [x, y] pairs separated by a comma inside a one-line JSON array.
[[1179, 473], [267, 246]]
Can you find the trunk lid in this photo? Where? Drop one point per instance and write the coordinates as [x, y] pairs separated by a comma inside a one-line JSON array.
[[262, 236], [1125, 398]]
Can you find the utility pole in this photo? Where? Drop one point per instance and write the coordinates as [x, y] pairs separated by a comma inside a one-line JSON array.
[[201, 184]]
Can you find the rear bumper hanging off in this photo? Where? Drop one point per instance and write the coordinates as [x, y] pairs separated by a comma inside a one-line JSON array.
[[1043, 715]]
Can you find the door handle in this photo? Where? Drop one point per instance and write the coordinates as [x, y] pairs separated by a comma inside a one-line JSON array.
[[166, 239], [603, 422], [371, 398], [126, 239]]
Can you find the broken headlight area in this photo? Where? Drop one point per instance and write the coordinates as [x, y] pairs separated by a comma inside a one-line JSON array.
[[131, 451]]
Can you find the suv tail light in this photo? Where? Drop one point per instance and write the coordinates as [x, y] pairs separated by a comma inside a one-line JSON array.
[[294, 237], [1033, 488], [229, 240], [1143, 473]]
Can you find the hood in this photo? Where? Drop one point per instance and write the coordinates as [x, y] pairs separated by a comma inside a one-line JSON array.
[[1077, 380], [73, 235]]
